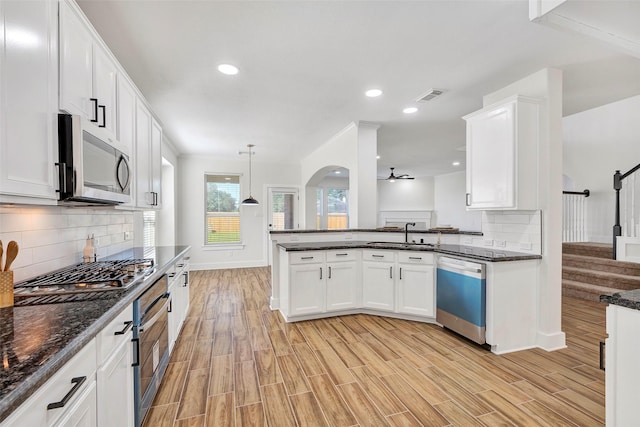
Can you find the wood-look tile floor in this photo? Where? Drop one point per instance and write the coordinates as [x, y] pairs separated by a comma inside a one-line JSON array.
[[237, 363]]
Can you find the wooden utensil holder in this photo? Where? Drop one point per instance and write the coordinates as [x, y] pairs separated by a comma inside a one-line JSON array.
[[6, 289]]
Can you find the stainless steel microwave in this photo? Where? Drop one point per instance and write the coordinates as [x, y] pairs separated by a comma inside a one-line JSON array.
[[93, 167]]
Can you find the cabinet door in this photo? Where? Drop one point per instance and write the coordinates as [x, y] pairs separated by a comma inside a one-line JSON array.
[[307, 289], [378, 285], [76, 44], [104, 88], [83, 412], [415, 290], [342, 286], [28, 89], [491, 157], [115, 388], [144, 198], [174, 313], [156, 163], [126, 126]]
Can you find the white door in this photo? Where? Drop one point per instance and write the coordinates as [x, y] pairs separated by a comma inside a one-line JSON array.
[[282, 207], [342, 285], [307, 289], [415, 290], [378, 285]]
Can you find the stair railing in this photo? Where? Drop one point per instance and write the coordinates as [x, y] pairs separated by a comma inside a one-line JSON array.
[[574, 216], [631, 210]]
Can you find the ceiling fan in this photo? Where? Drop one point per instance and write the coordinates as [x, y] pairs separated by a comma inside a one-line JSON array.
[[392, 177]]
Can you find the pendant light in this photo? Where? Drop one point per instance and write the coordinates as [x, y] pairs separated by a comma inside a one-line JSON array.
[[250, 200]]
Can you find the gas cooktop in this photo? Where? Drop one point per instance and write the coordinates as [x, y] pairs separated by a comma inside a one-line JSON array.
[[82, 282]]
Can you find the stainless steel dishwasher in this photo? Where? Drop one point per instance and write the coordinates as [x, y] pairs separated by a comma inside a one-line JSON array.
[[461, 297]]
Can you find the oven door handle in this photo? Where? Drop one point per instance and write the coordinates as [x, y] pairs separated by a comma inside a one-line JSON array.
[[155, 301], [155, 318]]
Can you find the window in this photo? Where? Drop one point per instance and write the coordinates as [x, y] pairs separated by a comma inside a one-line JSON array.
[[337, 208], [222, 209], [149, 228]]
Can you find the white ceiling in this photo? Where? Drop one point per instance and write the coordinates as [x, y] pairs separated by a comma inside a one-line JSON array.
[[304, 67]]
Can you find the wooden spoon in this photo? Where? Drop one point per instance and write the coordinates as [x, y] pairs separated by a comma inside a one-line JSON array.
[[12, 253]]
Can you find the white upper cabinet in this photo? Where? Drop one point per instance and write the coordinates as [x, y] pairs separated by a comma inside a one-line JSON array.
[[502, 155], [87, 73], [28, 93], [126, 129], [148, 159]]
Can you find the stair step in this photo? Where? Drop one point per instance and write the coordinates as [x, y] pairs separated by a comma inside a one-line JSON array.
[[599, 250], [601, 278], [586, 291], [601, 264]]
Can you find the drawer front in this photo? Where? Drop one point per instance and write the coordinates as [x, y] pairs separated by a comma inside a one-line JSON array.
[[378, 255], [305, 257], [112, 336], [415, 257], [342, 255], [34, 412]]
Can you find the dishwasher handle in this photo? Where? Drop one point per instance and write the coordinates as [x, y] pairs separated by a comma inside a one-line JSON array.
[[460, 268]]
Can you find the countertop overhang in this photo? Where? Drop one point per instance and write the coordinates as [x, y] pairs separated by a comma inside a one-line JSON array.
[[472, 252], [628, 299], [38, 340], [377, 230]]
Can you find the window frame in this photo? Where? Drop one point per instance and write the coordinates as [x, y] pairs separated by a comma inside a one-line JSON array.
[[221, 245]]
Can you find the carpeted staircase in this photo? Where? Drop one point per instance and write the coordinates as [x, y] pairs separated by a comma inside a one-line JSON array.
[[589, 271]]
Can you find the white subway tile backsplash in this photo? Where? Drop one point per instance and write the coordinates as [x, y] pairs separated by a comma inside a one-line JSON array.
[[515, 219], [53, 237], [518, 229]]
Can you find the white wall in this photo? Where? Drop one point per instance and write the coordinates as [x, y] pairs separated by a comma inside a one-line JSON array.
[[354, 148], [546, 85], [596, 143], [406, 195], [53, 237], [253, 219], [449, 201]]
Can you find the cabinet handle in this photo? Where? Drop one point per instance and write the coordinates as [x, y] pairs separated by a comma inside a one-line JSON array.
[[602, 344], [320, 272], [127, 325], [180, 265], [390, 272], [468, 199], [342, 254], [377, 256], [104, 116], [77, 383], [186, 279], [62, 177], [415, 257], [95, 109], [400, 273], [136, 348], [329, 272], [307, 257], [170, 306], [172, 275]]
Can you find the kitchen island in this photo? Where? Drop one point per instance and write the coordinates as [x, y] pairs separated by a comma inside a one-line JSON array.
[[330, 278], [37, 341]]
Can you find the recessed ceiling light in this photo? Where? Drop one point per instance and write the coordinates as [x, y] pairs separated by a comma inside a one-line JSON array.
[[337, 172], [410, 110], [228, 178], [378, 157], [228, 69], [456, 163], [372, 93]]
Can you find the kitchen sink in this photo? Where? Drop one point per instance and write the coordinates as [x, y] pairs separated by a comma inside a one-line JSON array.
[[401, 245]]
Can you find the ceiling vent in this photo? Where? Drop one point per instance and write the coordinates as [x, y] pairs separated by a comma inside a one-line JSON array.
[[429, 95]]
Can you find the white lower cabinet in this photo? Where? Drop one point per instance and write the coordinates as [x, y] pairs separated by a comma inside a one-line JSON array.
[[622, 377], [416, 289], [68, 398], [378, 285], [342, 285], [307, 292], [179, 290]]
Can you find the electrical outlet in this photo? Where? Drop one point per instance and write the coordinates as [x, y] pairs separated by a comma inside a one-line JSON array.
[[501, 243], [488, 242], [128, 235]]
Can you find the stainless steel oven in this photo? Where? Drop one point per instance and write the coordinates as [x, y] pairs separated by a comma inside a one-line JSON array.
[[93, 166], [151, 344]]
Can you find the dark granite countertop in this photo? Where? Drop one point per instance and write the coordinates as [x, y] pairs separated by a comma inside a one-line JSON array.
[[629, 299], [378, 230], [38, 340], [477, 253]]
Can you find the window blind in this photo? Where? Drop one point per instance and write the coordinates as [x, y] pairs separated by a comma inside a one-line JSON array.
[[149, 228]]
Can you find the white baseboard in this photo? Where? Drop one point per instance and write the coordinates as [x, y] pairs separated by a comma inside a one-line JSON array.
[[274, 303], [223, 265], [551, 342]]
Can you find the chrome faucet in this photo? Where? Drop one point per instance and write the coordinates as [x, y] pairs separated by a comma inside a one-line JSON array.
[[406, 231]]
